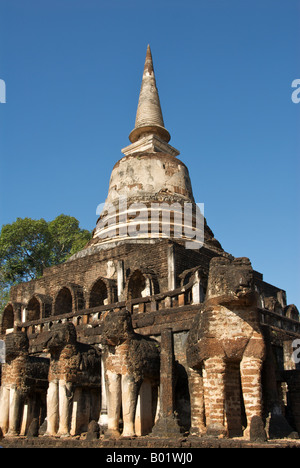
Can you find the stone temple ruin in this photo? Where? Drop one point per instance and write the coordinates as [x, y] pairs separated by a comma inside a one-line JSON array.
[[152, 328]]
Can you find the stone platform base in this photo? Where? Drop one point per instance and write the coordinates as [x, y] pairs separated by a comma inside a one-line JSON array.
[[143, 443]]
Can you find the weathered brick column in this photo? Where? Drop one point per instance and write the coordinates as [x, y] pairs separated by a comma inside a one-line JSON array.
[[197, 402], [167, 424], [214, 385]]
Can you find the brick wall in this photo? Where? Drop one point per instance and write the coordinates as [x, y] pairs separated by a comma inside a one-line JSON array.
[[84, 271]]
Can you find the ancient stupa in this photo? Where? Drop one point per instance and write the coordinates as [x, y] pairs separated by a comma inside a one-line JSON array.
[[152, 273]]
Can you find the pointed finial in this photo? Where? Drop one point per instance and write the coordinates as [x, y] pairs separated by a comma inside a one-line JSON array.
[[149, 119], [148, 68]]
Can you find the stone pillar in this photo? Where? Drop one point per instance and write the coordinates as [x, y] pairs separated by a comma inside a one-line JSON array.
[[171, 268], [167, 424], [103, 413], [167, 373], [120, 279], [197, 290]]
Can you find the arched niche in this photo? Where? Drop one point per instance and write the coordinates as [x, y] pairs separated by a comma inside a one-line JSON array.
[[138, 285], [33, 309], [98, 294], [63, 302], [7, 321]]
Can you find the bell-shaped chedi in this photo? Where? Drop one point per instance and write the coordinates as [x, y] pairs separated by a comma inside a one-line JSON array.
[[150, 193]]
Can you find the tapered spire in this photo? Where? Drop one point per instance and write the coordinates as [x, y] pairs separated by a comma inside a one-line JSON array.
[[149, 119]]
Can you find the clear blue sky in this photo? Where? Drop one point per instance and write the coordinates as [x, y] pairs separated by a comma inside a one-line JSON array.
[[224, 70]]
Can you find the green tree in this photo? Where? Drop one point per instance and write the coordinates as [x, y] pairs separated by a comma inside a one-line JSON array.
[[27, 246], [4, 293], [24, 249], [66, 238]]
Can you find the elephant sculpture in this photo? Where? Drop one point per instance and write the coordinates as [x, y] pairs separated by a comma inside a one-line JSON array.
[[23, 386], [225, 352], [73, 397], [128, 360]]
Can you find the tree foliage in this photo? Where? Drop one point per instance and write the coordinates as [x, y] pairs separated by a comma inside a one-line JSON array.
[[27, 246], [4, 293]]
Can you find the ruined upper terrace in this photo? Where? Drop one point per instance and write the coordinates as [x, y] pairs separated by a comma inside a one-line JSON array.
[[173, 309]]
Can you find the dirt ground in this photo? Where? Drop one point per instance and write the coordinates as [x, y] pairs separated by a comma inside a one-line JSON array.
[[142, 443]]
